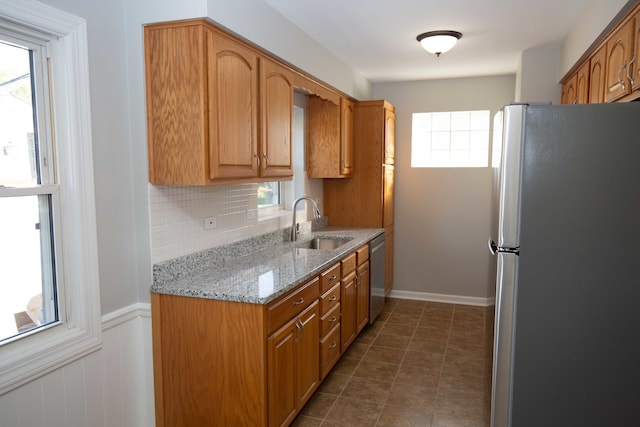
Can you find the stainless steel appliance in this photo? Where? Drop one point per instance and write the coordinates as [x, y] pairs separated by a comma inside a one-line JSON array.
[[377, 259], [567, 331]]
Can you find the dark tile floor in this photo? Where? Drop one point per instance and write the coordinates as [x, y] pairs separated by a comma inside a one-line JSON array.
[[419, 364]]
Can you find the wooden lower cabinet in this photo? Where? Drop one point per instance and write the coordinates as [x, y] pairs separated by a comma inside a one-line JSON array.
[[233, 363], [293, 366], [348, 329], [362, 296]]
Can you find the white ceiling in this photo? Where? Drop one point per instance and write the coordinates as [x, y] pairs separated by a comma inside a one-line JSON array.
[[378, 37]]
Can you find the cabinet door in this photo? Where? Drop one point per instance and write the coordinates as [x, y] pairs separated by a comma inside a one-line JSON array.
[[388, 265], [277, 120], [569, 90], [389, 136], [597, 76], [582, 84], [308, 355], [282, 357], [388, 196], [322, 138], [346, 137], [233, 109], [634, 68], [362, 296], [619, 53], [348, 303]]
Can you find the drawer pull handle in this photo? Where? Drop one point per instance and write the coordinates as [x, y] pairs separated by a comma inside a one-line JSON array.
[[333, 320], [332, 278], [300, 301], [333, 298], [333, 345]]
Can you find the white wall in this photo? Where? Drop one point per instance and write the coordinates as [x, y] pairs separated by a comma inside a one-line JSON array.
[[584, 32], [538, 75], [443, 216]]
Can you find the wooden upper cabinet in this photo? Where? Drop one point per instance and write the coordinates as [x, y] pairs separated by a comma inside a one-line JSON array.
[[208, 96], [346, 137], [233, 109], [597, 75], [634, 67], [569, 90], [176, 73], [582, 84], [322, 140], [276, 85], [619, 54]]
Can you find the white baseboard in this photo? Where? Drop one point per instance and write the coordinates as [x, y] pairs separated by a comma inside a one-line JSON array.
[[450, 299], [125, 314]]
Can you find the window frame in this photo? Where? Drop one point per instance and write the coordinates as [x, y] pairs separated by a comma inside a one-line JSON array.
[[78, 332]]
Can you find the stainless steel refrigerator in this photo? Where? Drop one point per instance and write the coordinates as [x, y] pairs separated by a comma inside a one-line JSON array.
[[567, 328]]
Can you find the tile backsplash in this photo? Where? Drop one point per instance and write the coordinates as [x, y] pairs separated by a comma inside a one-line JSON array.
[[177, 218]]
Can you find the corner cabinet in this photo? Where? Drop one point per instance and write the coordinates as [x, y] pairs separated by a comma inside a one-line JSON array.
[[203, 105]]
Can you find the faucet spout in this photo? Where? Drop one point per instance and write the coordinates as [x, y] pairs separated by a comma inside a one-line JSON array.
[[294, 225]]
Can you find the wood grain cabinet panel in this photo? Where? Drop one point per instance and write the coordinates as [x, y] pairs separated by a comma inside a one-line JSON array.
[[348, 304], [569, 90], [582, 84], [634, 67], [363, 289], [619, 54], [276, 97], [233, 109], [597, 75]]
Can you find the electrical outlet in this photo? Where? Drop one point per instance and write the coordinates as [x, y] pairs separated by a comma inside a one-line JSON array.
[[210, 223]]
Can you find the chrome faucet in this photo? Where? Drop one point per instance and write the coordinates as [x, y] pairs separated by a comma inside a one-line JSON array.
[[294, 226]]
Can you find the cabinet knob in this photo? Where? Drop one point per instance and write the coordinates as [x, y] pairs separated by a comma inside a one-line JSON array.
[[333, 298], [333, 319], [333, 345]]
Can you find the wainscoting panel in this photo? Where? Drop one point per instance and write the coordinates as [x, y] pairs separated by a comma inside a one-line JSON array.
[[112, 387]]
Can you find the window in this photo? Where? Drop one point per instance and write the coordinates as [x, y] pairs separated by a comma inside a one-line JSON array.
[[27, 250], [450, 139], [49, 291], [269, 194]]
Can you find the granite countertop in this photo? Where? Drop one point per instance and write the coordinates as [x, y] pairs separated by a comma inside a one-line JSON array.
[[257, 270]]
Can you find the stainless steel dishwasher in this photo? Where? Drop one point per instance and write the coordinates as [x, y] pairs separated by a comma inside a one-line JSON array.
[[377, 258]]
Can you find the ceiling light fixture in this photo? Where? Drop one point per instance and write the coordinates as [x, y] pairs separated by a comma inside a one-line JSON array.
[[439, 42]]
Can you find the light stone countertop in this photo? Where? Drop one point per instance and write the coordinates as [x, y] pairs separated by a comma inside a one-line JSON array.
[[256, 270]]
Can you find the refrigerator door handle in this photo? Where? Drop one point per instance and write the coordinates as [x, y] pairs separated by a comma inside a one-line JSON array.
[[495, 249]]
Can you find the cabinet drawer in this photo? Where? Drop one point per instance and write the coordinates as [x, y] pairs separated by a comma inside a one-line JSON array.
[[329, 278], [329, 320], [362, 254], [329, 351], [348, 264], [330, 299], [290, 305]]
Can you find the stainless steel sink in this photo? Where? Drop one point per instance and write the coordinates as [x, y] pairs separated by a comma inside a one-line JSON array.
[[323, 243]]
